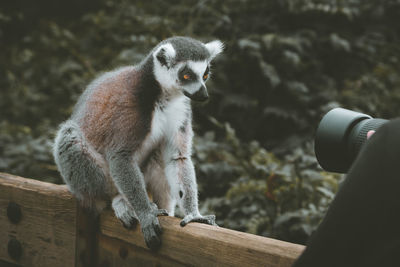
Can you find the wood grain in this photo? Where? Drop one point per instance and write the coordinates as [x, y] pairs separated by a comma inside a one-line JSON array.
[[204, 245], [115, 252], [47, 228], [53, 231]]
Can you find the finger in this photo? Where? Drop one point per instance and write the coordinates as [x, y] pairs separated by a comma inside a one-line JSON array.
[[210, 217], [186, 220], [127, 225], [131, 224], [370, 133], [152, 240], [162, 212], [212, 220], [205, 221], [134, 223], [183, 223], [200, 220]]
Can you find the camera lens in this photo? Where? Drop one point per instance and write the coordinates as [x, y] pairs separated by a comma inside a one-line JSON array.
[[340, 136]]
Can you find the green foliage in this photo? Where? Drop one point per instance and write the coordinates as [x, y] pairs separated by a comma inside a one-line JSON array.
[[286, 64], [251, 190], [26, 155]]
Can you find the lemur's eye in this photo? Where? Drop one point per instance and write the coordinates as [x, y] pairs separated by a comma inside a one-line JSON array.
[[186, 75], [205, 75]]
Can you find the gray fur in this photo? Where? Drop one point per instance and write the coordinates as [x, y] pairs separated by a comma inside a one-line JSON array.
[[188, 49], [76, 159], [131, 132], [124, 211]]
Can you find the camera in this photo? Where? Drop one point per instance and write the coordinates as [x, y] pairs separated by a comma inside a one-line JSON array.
[[340, 136]]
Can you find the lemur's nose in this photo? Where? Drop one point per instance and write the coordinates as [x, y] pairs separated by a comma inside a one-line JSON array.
[[201, 94]]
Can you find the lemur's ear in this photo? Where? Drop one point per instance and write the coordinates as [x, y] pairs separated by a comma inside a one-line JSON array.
[[214, 48], [165, 54]]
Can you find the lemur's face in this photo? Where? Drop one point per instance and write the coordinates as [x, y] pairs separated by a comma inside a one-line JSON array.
[[184, 77], [191, 78]]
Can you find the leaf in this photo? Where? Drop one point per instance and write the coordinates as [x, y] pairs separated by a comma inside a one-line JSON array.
[[326, 192]]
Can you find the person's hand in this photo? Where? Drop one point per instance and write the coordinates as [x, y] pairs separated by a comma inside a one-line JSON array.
[[370, 133]]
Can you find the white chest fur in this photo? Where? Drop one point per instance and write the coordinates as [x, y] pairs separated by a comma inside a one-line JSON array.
[[165, 124], [169, 118]]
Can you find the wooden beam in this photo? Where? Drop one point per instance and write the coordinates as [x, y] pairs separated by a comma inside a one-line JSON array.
[[205, 245], [37, 223], [45, 227]]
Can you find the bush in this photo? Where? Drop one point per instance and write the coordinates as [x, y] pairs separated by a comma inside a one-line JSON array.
[[251, 190]]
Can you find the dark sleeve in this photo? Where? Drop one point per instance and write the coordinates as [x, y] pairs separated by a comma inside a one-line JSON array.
[[362, 225]]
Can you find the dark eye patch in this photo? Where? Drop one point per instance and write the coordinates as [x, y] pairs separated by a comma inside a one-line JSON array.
[[186, 71]]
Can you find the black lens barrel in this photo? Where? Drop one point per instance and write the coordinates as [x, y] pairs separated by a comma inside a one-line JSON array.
[[340, 136]]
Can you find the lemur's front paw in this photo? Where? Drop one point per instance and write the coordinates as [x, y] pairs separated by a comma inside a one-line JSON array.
[[157, 211], [151, 230], [130, 223], [207, 219], [161, 212], [151, 227], [125, 213]]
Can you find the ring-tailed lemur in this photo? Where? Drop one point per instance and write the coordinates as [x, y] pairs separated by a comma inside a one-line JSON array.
[[131, 131]]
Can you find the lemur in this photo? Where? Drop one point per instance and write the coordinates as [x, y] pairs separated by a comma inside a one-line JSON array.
[[131, 132]]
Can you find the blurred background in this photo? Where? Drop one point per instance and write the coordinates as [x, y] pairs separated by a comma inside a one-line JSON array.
[[286, 64]]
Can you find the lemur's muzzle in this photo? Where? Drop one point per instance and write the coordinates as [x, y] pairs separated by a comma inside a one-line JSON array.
[[200, 95]]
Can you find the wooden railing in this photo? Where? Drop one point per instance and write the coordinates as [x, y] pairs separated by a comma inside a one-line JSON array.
[[41, 224]]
